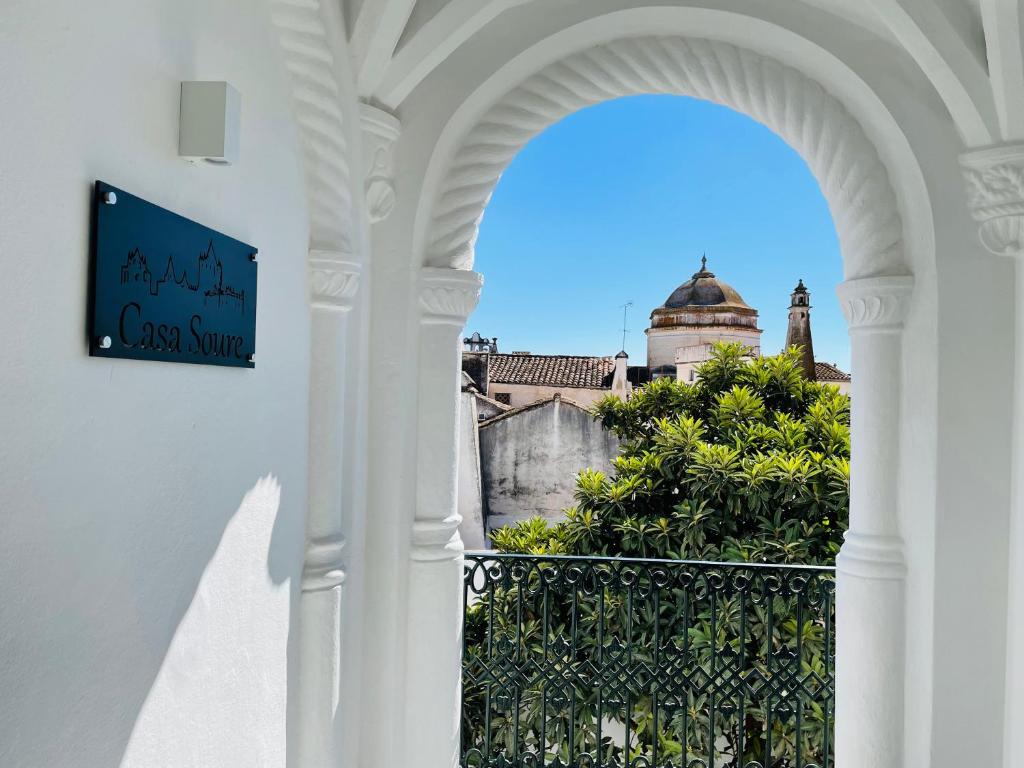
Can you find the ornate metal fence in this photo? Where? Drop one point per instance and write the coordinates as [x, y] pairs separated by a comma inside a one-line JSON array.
[[576, 662]]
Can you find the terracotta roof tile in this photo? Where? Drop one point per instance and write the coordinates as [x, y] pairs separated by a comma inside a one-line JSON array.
[[828, 372], [551, 370]]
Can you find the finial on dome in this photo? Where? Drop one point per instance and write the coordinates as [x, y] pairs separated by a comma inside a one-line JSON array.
[[703, 272]]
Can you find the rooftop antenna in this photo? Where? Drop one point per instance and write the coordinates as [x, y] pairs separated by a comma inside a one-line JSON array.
[[625, 309]]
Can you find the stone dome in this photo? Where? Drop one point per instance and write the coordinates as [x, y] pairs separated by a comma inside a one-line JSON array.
[[705, 290], [704, 300]]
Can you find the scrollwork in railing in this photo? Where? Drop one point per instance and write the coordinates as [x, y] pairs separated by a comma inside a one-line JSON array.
[[628, 663]]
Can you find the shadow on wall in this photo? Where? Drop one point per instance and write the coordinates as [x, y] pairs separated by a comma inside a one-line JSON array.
[[173, 641], [227, 641]]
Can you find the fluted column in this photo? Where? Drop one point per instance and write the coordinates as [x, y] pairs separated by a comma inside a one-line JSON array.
[[334, 283], [870, 611], [434, 630]]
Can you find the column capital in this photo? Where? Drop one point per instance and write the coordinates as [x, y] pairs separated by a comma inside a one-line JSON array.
[[448, 296], [995, 195], [333, 280], [380, 131], [876, 304]]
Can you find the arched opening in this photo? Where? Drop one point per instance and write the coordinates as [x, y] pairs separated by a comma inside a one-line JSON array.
[[617, 202], [652, 183], [875, 298]]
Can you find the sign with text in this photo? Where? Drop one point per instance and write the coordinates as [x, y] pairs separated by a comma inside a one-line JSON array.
[[167, 288]]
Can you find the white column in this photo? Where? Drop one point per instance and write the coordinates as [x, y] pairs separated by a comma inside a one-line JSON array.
[[334, 283], [434, 628], [995, 194], [870, 614]]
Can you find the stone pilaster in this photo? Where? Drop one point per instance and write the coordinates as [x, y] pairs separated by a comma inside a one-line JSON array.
[[334, 284], [995, 194], [446, 298], [870, 610]]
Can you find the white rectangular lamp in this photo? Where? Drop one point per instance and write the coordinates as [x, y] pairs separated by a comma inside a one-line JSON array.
[[209, 122]]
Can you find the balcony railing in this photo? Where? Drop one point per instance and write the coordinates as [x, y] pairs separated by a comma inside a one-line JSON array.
[[617, 663]]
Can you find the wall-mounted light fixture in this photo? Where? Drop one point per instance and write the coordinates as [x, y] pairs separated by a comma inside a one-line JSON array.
[[209, 122]]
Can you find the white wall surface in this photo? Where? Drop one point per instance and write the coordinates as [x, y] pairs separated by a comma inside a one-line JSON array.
[[152, 513], [471, 529]]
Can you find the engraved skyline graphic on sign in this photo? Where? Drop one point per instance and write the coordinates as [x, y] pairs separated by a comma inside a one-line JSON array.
[[208, 278]]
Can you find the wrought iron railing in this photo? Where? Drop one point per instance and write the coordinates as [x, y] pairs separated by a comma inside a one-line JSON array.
[[615, 663]]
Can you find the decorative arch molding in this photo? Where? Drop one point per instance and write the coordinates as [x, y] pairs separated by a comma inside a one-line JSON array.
[[846, 164], [312, 35], [308, 31], [620, 55]]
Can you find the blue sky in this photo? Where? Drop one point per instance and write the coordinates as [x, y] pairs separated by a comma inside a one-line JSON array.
[[617, 203]]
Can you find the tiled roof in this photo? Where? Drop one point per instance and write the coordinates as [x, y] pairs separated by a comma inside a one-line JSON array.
[[551, 370], [828, 372]]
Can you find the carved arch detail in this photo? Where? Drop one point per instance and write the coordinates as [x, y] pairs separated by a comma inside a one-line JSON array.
[[797, 108], [307, 32]]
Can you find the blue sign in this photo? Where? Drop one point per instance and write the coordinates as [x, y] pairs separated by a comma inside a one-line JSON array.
[[167, 288]]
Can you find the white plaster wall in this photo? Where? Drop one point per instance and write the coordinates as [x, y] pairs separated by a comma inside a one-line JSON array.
[[842, 386], [471, 529], [524, 394], [529, 461], [152, 513]]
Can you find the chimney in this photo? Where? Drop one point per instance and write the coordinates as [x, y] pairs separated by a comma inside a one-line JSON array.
[[620, 383], [798, 333]]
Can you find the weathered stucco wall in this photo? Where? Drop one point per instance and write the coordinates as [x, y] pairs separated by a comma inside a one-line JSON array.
[[529, 460], [153, 513]]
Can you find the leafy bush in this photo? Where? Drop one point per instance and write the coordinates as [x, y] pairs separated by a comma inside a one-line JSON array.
[[749, 464]]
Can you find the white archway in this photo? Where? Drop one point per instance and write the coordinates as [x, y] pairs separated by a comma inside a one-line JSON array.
[[845, 163], [875, 298], [798, 109], [326, 114]]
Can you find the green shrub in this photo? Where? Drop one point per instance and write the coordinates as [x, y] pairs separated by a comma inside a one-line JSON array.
[[750, 463]]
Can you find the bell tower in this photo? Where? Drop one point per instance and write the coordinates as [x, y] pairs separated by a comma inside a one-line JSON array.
[[798, 334]]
